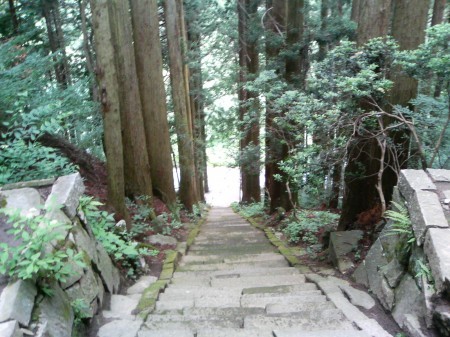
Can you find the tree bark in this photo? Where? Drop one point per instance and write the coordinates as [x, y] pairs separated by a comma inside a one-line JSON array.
[[14, 18], [297, 59], [248, 104], [188, 189], [149, 66], [360, 178], [137, 169], [108, 84], [438, 12]]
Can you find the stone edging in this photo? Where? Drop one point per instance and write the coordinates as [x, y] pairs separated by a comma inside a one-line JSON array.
[[150, 295]]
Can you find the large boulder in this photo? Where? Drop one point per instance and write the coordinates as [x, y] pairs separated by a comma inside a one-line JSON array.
[[436, 249], [67, 191], [17, 302], [341, 244]]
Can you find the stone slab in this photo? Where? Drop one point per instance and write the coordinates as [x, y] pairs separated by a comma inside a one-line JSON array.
[[27, 200], [277, 308], [141, 285], [436, 248], [67, 191], [322, 333], [409, 300], [439, 175], [17, 302], [257, 281], [414, 180], [122, 307], [29, 183], [120, 328], [358, 297], [250, 301], [233, 333], [10, 329], [167, 333]]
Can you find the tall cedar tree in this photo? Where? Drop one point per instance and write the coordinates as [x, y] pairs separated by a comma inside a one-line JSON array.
[[360, 193], [109, 89], [149, 66], [137, 169], [248, 103], [188, 180]]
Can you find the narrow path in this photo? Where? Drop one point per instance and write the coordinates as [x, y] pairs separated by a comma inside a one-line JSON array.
[[233, 283]]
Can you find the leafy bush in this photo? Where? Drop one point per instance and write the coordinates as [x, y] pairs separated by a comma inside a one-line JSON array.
[[117, 241], [306, 225], [251, 210], [401, 223], [20, 161], [32, 256]]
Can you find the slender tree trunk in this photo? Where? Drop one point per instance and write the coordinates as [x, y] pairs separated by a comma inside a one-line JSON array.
[[188, 189], [14, 18], [354, 16], [137, 169], [87, 48], [196, 92], [438, 12], [323, 44], [296, 61], [108, 84], [149, 66], [248, 104], [360, 193]]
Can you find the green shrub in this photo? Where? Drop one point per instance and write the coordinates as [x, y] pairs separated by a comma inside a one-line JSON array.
[[117, 241], [250, 210], [401, 223], [33, 256], [306, 225]]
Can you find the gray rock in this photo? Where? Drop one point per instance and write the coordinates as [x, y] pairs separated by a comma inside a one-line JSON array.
[[375, 260], [425, 211], [56, 314], [409, 301], [428, 294], [27, 200], [77, 273], [61, 219], [108, 272], [387, 295], [85, 242], [122, 307], [441, 319], [120, 328], [172, 333], [393, 273], [414, 180], [30, 183], [439, 175], [360, 275], [17, 302], [87, 290], [67, 191], [141, 285], [10, 329], [101, 290], [342, 243], [436, 249], [358, 297], [159, 239]]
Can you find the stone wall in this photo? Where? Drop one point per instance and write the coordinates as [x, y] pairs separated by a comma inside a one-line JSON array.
[[391, 269], [23, 309]]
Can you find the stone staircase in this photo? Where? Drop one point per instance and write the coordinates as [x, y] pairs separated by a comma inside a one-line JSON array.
[[233, 283]]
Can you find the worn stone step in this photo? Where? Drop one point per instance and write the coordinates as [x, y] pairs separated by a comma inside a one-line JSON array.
[[191, 325], [320, 333], [120, 328], [258, 281], [122, 306], [262, 301], [179, 304], [166, 333], [232, 258], [325, 320], [233, 333], [238, 271], [228, 266], [283, 289], [277, 309], [195, 292]]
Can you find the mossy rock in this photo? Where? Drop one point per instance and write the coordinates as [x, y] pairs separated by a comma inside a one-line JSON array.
[[149, 297]]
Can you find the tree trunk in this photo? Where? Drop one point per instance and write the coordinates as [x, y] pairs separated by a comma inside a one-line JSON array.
[[354, 16], [137, 169], [360, 193], [296, 60], [438, 12], [149, 66], [323, 44], [188, 189], [108, 84], [196, 93], [14, 18], [408, 28], [248, 104], [276, 150]]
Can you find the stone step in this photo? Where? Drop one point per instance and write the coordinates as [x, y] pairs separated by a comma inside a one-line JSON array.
[[228, 266], [257, 281], [196, 292], [191, 325], [233, 333], [162, 305], [120, 328], [283, 289], [313, 321], [122, 306], [320, 333], [238, 271], [166, 333], [232, 258], [277, 309], [251, 301]]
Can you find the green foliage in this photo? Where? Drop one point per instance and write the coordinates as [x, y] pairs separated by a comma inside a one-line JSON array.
[[305, 225], [34, 255], [251, 210], [80, 310], [34, 162], [401, 223], [423, 270], [116, 241]]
